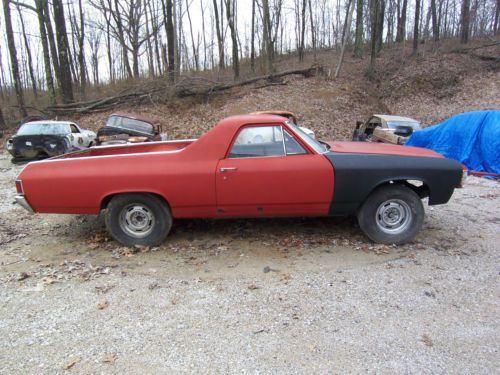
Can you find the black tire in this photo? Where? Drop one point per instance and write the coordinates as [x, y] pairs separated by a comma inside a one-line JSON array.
[[392, 214], [138, 219]]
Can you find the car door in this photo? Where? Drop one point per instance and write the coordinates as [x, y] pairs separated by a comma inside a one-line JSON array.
[[77, 137], [268, 172]]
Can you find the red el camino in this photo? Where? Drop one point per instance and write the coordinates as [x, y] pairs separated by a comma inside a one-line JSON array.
[[246, 166]]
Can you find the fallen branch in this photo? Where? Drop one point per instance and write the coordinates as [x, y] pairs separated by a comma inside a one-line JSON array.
[[190, 86]]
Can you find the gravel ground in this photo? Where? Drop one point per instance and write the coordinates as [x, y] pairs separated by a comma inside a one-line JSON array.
[[272, 296]]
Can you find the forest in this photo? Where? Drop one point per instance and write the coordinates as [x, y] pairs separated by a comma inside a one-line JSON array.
[[55, 54]]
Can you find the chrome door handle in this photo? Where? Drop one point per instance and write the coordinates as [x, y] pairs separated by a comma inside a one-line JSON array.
[[228, 169]]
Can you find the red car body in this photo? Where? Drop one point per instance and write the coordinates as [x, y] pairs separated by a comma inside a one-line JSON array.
[[197, 178]]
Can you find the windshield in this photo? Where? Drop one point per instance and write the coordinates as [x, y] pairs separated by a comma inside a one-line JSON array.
[[314, 144], [393, 124], [130, 124], [44, 129]]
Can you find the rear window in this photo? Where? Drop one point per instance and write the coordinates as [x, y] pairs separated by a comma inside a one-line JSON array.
[[44, 129], [130, 124]]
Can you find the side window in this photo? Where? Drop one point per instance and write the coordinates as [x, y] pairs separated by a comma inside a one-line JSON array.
[[258, 141], [74, 129], [292, 146]]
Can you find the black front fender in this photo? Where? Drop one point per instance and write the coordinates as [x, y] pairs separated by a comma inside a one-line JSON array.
[[357, 175]]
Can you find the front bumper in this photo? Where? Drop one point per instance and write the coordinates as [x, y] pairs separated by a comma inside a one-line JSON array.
[[21, 200]]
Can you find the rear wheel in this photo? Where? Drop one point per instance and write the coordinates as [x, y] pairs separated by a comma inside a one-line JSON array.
[[138, 219], [392, 214]]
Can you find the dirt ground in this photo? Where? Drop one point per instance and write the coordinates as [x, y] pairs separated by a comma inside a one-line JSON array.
[[251, 296]]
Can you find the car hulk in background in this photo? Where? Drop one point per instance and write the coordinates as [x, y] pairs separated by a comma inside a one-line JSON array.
[[45, 138], [385, 128], [142, 187], [126, 127]]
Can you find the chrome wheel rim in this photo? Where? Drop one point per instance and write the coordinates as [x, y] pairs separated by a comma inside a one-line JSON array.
[[137, 220], [393, 216]]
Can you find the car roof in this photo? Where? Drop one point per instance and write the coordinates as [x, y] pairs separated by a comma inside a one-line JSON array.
[[48, 122], [395, 118]]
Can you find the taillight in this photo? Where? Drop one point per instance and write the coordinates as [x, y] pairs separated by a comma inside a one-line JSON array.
[[19, 187]]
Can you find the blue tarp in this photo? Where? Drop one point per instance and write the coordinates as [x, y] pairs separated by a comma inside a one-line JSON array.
[[472, 138]]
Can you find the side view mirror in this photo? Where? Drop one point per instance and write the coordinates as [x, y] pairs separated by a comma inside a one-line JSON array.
[[403, 131], [358, 124]]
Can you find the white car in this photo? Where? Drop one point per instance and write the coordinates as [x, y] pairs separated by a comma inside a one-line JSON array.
[[39, 139]]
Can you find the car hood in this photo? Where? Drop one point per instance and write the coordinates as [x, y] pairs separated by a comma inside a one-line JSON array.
[[380, 149]]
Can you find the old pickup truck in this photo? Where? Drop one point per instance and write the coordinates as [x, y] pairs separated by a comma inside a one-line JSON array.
[[246, 166]]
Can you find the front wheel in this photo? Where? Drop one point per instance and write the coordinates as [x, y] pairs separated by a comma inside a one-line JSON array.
[[138, 219], [392, 214]]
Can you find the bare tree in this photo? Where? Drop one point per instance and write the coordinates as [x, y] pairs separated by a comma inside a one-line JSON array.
[[347, 29], [358, 43], [435, 22], [230, 14], [220, 35], [416, 27], [169, 29], [268, 46], [28, 53], [465, 22], [313, 30], [62, 45], [193, 44], [302, 30], [13, 59], [252, 37], [496, 24], [46, 53], [375, 29], [401, 28]]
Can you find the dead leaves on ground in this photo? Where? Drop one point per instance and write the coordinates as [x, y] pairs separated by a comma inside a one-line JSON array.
[[110, 358], [71, 363], [103, 304]]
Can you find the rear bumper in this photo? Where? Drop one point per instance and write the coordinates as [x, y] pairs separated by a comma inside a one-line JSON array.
[[20, 200]]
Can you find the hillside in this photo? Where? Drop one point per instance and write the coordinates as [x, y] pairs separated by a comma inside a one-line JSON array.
[[430, 88]]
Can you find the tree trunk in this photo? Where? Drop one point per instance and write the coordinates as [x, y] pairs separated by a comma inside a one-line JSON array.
[[380, 25], [268, 47], [375, 32], [252, 39], [46, 54], [220, 37], [13, 59], [401, 32], [416, 27], [52, 41], [195, 52], [465, 22], [435, 25], [230, 14], [358, 43], [81, 49], [203, 30], [28, 52], [302, 30], [62, 45], [347, 30], [496, 26], [313, 31]]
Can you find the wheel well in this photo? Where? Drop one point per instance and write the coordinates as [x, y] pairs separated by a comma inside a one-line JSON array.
[[419, 187], [107, 199]]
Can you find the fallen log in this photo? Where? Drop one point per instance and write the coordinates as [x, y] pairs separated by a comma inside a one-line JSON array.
[[189, 86]]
